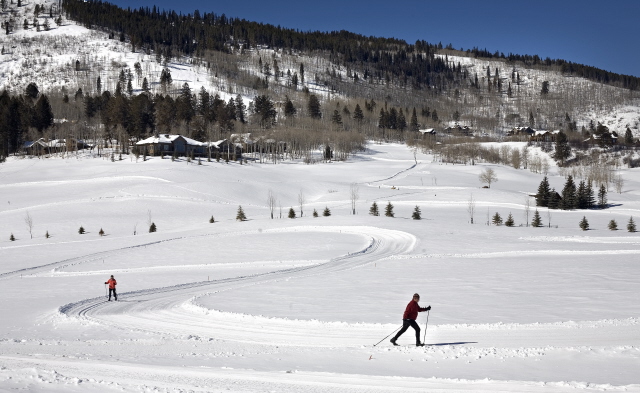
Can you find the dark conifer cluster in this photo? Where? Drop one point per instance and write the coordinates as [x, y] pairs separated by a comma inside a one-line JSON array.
[[580, 197]]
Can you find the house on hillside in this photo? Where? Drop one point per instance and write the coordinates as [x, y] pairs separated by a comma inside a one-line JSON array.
[[66, 145], [167, 144], [429, 132], [35, 148], [604, 139], [520, 131], [544, 136], [459, 130], [226, 148]]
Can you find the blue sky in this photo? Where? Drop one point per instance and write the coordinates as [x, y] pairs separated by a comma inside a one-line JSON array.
[[597, 33]]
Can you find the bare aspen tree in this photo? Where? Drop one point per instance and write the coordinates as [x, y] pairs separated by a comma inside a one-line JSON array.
[[618, 182], [355, 193], [527, 208], [549, 217], [271, 202], [301, 201], [29, 221], [149, 218], [488, 175], [471, 207]]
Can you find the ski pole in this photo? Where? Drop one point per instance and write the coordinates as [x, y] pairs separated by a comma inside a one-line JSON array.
[[426, 326], [106, 294], [387, 336]]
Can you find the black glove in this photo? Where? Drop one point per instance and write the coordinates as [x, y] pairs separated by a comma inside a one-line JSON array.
[[428, 308]]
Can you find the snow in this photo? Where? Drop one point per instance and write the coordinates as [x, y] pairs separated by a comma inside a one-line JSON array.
[[293, 305]]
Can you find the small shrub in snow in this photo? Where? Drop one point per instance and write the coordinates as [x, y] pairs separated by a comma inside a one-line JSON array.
[[81, 230], [292, 213], [46, 235], [613, 225], [496, 220], [211, 220], [388, 210], [509, 221], [631, 226], [537, 220], [584, 224], [416, 214], [326, 212], [315, 213], [373, 210], [152, 227], [240, 216], [101, 233], [12, 238]]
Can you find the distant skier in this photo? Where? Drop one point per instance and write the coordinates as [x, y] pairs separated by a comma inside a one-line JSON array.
[[112, 287], [409, 319]]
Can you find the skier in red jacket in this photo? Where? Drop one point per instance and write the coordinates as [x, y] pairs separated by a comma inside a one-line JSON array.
[[112, 287], [409, 319]]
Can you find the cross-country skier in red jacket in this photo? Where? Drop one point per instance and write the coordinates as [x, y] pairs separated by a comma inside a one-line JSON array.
[[409, 319], [112, 287]]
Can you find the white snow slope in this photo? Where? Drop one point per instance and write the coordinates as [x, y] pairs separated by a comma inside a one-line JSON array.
[[289, 305]]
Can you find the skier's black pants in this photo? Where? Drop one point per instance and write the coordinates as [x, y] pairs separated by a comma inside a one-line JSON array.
[[115, 295], [405, 325]]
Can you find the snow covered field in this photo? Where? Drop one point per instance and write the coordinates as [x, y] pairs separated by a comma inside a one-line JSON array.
[[288, 305]]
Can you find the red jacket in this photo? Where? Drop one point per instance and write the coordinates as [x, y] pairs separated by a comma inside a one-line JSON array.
[[412, 310], [112, 283]]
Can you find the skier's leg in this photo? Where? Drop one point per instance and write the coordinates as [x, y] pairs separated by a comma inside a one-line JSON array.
[[405, 326], [115, 295], [415, 326], [110, 294]]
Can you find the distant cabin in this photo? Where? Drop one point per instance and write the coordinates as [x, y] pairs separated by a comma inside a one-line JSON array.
[[604, 139], [519, 131], [431, 132], [544, 136], [168, 144]]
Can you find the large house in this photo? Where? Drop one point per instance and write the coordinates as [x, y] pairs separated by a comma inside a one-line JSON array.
[[544, 136], [166, 144], [517, 131]]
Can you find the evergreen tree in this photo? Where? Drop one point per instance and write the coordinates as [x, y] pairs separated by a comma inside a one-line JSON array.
[[12, 238], [373, 210], [416, 213], [326, 212], [568, 195], [631, 226], [401, 122], [628, 137], [497, 220], [388, 210], [358, 116], [584, 224], [46, 235], [212, 220], [563, 150], [101, 232], [336, 118], [582, 198], [292, 213], [613, 225], [240, 216], [315, 213], [509, 221], [537, 220], [313, 107], [99, 85], [542, 197], [81, 230], [413, 123], [43, 115], [591, 199], [602, 197], [152, 227], [289, 109], [265, 111]]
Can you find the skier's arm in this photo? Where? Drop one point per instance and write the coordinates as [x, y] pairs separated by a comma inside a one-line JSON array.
[[425, 308]]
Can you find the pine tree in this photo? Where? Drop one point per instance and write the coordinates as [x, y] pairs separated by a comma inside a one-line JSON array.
[[628, 137], [582, 197], [212, 220], [101, 233], [497, 220], [292, 213], [563, 150], [602, 197], [584, 224], [591, 199], [373, 210], [509, 221], [326, 212], [537, 220], [388, 210], [631, 226], [358, 116], [542, 197], [313, 107], [613, 225], [152, 227], [568, 195], [416, 213], [81, 230], [12, 238], [240, 216], [413, 123], [315, 213], [46, 235]]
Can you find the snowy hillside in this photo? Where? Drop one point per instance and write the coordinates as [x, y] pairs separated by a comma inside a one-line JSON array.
[[294, 305]]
